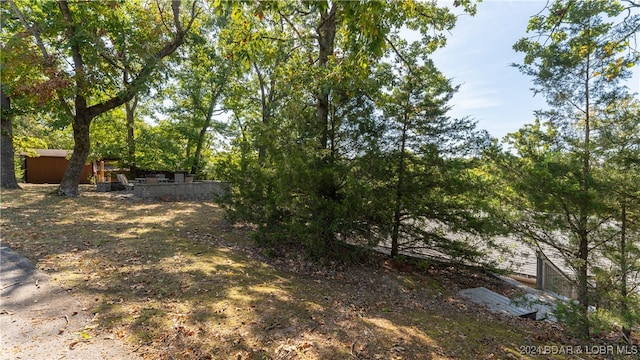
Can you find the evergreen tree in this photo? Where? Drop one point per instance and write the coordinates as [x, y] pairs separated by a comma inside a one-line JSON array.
[[577, 57]]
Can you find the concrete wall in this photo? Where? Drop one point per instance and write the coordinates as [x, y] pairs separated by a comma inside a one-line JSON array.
[[201, 190], [109, 186]]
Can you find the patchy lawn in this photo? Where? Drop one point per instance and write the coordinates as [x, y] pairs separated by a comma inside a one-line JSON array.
[[175, 281]]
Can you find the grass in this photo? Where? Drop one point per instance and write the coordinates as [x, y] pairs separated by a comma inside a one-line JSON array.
[[176, 281]]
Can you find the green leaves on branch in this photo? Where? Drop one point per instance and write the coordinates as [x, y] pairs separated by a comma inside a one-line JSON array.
[[336, 146], [567, 180]]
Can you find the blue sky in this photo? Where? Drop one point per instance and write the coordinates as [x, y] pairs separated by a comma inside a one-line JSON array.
[[478, 57]]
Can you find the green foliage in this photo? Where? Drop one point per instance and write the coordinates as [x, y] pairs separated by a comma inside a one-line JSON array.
[[18, 168], [571, 314], [318, 179], [39, 131], [202, 75], [159, 148], [427, 187], [619, 150], [108, 136], [604, 318], [574, 42], [577, 58], [614, 308]]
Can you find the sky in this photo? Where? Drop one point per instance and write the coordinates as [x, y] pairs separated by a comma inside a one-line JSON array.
[[478, 57]]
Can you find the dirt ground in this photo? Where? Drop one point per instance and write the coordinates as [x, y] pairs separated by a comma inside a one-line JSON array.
[[174, 280]]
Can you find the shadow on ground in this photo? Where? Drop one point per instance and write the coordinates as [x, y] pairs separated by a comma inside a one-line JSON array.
[[175, 280]]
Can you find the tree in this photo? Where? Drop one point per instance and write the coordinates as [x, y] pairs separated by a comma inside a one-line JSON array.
[[88, 30], [271, 105], [17, 77], [299, 154], [202, 75], [161, 146], [8, 176], [428, 156], [268, 101], [576, 58], [109, 136], [618, 152], [351, 27]]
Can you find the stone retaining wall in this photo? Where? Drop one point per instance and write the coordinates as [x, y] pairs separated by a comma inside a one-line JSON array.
[[109, 186], [198, 191]]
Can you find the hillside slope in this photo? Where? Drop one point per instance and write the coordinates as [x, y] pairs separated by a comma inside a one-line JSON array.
[[175, 281]]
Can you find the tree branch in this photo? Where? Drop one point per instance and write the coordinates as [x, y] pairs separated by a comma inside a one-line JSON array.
[[175, 8], [111, 61], [286, 19], [78, 61], [150, 65], [35, 32], [395, 50], [560, 18], [48, 60]]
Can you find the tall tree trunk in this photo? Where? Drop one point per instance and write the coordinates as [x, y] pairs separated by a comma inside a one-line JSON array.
[[397, 216], [325, 187], [197, 167], [216, 91], [81, 149], [7, 174], [82, 118], [326, 40], [624, 271], [265, 102], [584, 328], [130, 108]]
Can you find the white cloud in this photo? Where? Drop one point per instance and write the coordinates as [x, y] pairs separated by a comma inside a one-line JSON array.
[[473, 97]]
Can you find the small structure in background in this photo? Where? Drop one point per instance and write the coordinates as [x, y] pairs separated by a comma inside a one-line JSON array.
[[47, 166], [549, 277], [105, 171]]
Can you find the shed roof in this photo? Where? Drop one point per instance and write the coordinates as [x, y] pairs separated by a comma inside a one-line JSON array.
[[49, 152]]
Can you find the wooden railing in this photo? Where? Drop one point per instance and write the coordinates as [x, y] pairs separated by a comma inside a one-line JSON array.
[[550, 278]]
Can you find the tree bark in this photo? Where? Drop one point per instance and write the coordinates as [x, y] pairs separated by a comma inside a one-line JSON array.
[[326, 39], [584, 327], [196, 169], [81, 149], [397, 216], [624, 271], [265, 111], [130, 108], [582, 270], [8, 174], [325, 187], [216, 91]]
